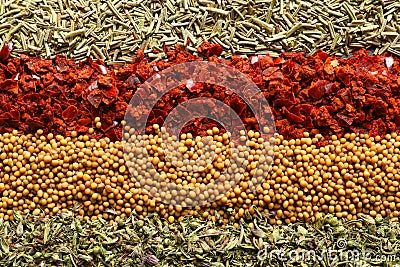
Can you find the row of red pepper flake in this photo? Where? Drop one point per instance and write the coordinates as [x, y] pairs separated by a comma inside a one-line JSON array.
[[319, 93]]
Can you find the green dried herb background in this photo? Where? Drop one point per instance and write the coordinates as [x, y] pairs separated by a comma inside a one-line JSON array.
[[63, 240], [114, 30]]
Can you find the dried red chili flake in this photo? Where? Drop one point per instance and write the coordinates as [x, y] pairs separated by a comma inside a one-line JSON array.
[[70, 113], [210, 50], [98, 65], [9, 86], [95, 97], [84, 121], [5, 51], [111, 92], [293, 117], [317, 89], [86, 72]]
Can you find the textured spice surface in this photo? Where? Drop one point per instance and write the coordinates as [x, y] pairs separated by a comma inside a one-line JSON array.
[[293, 180], [319, 94], [63, 240], [113, 30]]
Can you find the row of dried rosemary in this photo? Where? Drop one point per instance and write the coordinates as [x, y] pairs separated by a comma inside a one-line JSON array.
[[114, 30]]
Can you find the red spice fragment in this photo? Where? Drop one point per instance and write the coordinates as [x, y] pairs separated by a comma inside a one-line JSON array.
[[70, 113], [317, 89], [293, 117], [95, 97], [210, 50], [98, 65], [9, 86], [5, 51]]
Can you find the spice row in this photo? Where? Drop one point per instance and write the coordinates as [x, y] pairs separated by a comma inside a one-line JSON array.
[[114, 30], [64, 240], [319, 94], [348, 177]]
